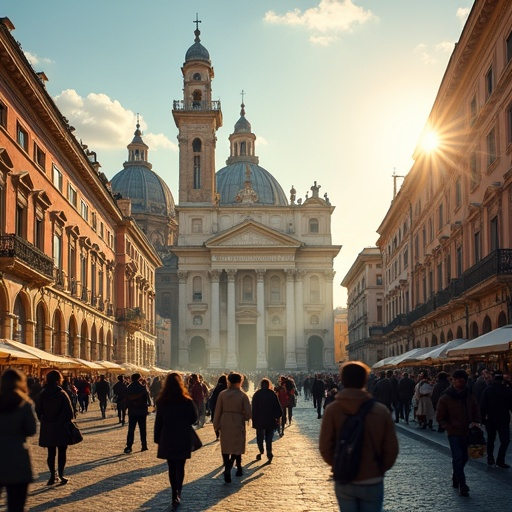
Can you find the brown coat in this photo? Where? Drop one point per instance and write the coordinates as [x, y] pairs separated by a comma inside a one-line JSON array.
[[232, 412], [380, 441]]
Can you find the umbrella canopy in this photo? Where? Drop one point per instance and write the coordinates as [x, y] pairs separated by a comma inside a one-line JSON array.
[[11, 355], [408, 356], [492, 342], [440, 352], [44, 357], [111, 367], [383, 363]]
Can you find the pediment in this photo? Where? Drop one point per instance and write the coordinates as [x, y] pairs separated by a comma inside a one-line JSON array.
[[252, 234]]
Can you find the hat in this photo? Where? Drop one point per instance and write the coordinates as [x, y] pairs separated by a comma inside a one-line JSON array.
[[497, 374], [460, 374], [135, 376]]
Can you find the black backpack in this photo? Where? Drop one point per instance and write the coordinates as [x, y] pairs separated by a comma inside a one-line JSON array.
[[349, 447]]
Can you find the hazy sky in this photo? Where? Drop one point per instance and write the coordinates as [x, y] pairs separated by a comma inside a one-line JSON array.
[[337, 91]]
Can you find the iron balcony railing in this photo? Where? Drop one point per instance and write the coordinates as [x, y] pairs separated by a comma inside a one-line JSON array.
[[13, 246], [196, 105]]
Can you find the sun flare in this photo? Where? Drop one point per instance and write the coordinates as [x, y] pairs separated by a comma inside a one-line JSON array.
[[430, 141]]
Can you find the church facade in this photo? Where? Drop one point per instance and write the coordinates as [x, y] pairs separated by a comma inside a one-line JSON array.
[[255, 267]]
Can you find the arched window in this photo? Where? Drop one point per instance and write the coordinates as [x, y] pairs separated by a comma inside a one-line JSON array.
[[314, 289], [197, 96], [197, 286], [40, 326], [196, 145], [247, 289], [313, 225]]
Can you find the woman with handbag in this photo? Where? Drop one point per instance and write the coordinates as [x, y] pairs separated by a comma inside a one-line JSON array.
[[175, 415], [17, 422], [55, 412]]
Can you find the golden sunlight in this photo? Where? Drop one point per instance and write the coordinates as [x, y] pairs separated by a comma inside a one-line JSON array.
[[430, 141]]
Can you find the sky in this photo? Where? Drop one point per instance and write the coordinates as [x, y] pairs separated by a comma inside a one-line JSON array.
[[336, 91]]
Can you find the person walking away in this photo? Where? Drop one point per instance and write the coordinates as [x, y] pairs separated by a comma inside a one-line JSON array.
[[383, 391], [284, 401], [155, 388], [439, 387], [119, 389], [380, 444], [423, 394], [175, 415], [54, 411], [495, 407], [197, 393], [17, 422], [266, 410], [406, 387], [291, 389], [103, 392], [232, 411], [137, 402], [318, 393], [457, 412], [222, 384], [480, 384]]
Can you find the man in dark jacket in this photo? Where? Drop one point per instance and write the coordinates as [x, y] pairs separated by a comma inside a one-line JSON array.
[[406, 387], [457, 412], [137, 401], [495, 407], [318, 393], [439, 388], [383, 391], [103, 392], [119, 391], [266, 410]]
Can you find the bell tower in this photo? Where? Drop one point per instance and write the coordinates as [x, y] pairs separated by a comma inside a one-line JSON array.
[[198, 118]]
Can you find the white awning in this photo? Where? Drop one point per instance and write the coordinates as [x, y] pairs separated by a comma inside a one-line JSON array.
[[383, 362], [42, 355], [88, 364], [110, 366], [440, 352], [493, 342], [11, 355]]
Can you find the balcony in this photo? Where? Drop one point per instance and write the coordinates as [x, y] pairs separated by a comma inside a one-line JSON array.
[[190, 105], [132, 318], [25, 261], [398, 321]]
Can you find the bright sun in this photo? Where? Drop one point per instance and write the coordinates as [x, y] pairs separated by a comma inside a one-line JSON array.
[[430, 141]]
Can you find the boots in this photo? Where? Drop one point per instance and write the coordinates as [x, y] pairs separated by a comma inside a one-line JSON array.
[[228, 465], [51, 481], [239, 471], [175, 499], [63, 481]]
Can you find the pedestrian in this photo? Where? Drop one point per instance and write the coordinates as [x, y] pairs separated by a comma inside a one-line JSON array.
[[119, 389], [318, 393], [284, 401], [222, 384], [439, 387], [383, 390], [232, 411], [266, 411], [155, 388], [406, 387], [17, 422], [197, 393], [480, 384], [103, 392], [380, 445], [495, 408], [137, 402], [55, 412], [175, 415], [423, 394], [457, 412]]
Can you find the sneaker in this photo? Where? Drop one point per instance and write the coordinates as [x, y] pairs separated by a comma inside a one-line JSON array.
[[502, 465], [463, 490], [127, 450]]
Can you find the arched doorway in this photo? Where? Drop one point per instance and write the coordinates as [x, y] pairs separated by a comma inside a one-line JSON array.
[[72, 349], [449, 336], [502, 319], [315, 353], [197, 352], [58, 334], [84, 342], [474, 330], [441, 339], [486, 326], [20, 328], [247, 347], [94, 344], [40, 326], [459, 333], [433, 341]]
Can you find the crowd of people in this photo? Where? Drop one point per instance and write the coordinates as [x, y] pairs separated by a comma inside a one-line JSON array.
[[455, 404]]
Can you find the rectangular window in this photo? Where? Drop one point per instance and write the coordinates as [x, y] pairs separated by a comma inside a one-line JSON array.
[[197, 225], [57, 178], [440, 216], [448, 268], [379, 279], [439, 276], [406, 257], [94, 221], [379, 313], [495, 238], [39, 233], [473, 169], [197, 171], [458, 193], [478, 253], [491, 147], [3, 114], [102, 230], [22, 137], [84, 210], [39, 157], [72, 196], [489, 82], [459, 261], [430, 230], [472, 110], [21, 220], [57, 251]]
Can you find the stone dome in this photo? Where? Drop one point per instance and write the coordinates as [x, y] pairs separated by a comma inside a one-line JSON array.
[[147, 192], [237, 177], [197, 51]]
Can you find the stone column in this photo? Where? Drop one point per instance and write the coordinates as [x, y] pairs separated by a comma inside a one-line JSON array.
[[291, 357], [215, 356], [30, 330], [231, 359], [261, 353], [299, 320], [329, 321], [183, 310]]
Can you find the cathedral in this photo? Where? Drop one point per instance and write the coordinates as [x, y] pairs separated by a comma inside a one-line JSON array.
[[247, 281]]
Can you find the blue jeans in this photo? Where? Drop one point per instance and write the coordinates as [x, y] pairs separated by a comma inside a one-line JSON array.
[[459, 449], [360, 498]]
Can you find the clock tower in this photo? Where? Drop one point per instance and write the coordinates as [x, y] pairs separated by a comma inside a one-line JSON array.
[[198, 118]]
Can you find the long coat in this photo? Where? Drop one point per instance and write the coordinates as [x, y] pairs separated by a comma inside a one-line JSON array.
[[173, 423], [15, 427], [232, 412], [54, 410], [265, 409]]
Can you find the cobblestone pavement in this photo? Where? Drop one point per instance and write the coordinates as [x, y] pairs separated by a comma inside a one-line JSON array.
[[102, 477]]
